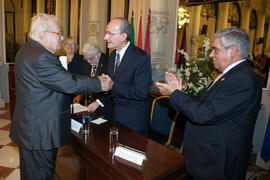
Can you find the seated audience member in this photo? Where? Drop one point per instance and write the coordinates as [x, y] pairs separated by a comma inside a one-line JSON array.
[[97, 65], [97, 60], [75, 61]]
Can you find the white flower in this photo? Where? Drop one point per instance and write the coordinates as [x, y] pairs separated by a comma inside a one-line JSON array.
[[187, 72], [172, 70], [206, 44], [195, 69], [185, 55]]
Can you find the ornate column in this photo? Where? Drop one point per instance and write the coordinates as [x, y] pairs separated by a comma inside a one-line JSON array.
[[259, 32], [27, 6], [74, 7], [159, 33], [193, 30], [65, 18], [2, 35], [117, 8], [40, 6], [245, 17], [61, 12], [222, 16], [158, 37], [267, 45], [93, 21]]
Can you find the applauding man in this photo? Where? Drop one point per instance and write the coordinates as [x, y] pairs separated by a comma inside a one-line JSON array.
[[218, 134]]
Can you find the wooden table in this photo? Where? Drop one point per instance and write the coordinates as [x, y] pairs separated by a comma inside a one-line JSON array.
[[89, 157]]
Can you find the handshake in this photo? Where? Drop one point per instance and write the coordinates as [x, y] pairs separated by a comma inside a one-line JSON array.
[[106, 82]]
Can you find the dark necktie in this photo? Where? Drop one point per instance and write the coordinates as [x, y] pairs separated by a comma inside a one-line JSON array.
[[117, 62]]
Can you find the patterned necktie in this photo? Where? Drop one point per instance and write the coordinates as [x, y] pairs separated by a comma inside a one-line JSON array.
[[117, 62], [94, 70], [217, 78]]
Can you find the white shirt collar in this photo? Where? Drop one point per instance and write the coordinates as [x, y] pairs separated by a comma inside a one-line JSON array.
[[232, 65], [122, 51]]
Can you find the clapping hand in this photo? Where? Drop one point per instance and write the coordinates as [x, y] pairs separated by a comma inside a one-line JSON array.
[[173, 81], [173, 84], [106, 82]]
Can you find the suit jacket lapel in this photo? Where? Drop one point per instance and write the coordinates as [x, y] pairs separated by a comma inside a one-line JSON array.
[[100, 67], [125, 60], [225, 76], [111, 64]]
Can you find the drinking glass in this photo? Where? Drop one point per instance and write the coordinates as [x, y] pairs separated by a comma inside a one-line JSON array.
[[114, 131]]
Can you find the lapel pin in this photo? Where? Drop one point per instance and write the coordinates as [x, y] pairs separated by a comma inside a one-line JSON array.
[[222, 79]]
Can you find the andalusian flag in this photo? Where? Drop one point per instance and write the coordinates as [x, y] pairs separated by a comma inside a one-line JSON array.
[[132, 30]]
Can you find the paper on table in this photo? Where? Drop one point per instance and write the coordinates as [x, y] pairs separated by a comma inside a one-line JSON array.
[[99, 121], [129, 155], [63, 60], [78, 108], [75, 126]]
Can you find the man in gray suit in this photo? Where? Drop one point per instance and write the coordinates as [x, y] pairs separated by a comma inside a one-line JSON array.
[[41, 120]]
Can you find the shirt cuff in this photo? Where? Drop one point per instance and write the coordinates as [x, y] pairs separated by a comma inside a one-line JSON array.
[[100, 103]]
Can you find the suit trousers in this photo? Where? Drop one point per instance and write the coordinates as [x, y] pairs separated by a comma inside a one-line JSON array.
[[37, 164]]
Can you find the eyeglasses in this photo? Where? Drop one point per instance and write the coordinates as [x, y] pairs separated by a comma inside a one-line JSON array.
[[71, 44], [89, 59], [57, 33], [112, 34]]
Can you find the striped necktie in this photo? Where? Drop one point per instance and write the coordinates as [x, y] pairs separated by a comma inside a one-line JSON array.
[[117, 62]]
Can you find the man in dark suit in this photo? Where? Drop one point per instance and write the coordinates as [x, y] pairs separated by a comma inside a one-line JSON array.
[[95, 64], [41, 120], [218, 135], [96, 60], [130, 70]]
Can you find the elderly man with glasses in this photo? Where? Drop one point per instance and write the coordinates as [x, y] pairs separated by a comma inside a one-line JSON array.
[[41, 120], [95, 64]]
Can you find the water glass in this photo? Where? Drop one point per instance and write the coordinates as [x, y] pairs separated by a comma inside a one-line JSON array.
[[86, 120], [114, 131]]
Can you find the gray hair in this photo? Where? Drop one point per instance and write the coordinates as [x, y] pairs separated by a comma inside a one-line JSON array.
[[41, 23], [90, 48], [236, 37], [73, 42], [125, 27]]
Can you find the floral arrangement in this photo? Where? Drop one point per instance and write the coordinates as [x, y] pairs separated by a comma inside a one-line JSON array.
[[197, 73]]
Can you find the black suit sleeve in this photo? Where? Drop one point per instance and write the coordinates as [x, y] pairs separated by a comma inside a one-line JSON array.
[[54, 76], [231, 96]]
